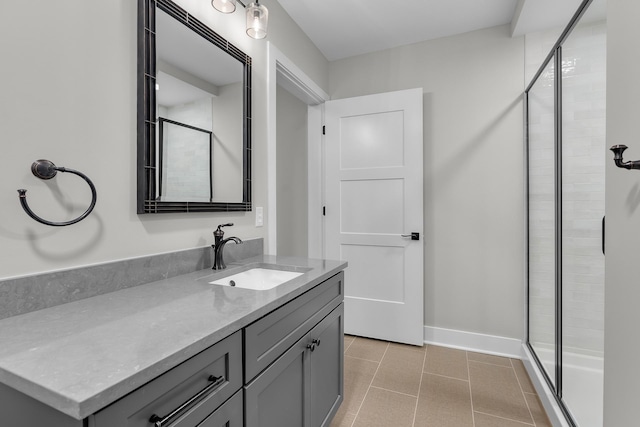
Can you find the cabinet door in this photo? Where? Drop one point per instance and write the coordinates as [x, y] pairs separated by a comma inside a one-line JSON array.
[[276, 398], [303, 388], [326, 368], [267, 338]]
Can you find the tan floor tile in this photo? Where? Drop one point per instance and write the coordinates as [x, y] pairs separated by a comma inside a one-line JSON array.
[[365, 348], [448, 362], [523, 377], [348, 340], [496, 391], [488, 358], [537, 410], [443, 402], [343, 418], [358, 374], [484, 420], [400, 370], [384, 408]]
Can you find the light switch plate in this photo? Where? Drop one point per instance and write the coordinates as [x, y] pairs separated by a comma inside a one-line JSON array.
[[259, 217]]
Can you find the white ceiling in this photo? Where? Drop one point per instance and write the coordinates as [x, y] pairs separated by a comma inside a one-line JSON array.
[[536, 16], [344, 28]]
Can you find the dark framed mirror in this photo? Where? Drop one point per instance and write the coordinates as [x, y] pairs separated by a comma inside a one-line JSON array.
[[194, 115]]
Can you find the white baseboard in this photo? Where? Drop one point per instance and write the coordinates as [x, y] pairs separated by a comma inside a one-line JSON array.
[[481, 343]]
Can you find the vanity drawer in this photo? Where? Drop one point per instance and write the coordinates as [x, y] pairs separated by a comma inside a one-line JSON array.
[[267, 338], [198, 386], [230, 414]]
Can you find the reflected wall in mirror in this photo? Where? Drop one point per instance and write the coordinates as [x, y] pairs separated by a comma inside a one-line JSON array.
[[194, 139]]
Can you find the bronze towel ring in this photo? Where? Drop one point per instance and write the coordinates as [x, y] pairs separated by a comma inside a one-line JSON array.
[[45, 169]]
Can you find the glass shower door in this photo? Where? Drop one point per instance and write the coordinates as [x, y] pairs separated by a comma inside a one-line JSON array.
[[566, 119], [542, 220], [583, 190]]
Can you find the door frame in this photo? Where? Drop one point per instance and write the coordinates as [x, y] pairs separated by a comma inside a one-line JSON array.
[[281, 70]]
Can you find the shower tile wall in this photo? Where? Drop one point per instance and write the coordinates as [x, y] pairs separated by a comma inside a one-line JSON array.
[[584, 154], [584, 151]]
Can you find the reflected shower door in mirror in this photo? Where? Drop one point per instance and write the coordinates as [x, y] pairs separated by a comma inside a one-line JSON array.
[[184, 154], [194, 115]]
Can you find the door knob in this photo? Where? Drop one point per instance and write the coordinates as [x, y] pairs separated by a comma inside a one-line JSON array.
[[413, 235]]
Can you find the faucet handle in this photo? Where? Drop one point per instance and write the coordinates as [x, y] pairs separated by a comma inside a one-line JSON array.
[[224, 225], [219, 232]]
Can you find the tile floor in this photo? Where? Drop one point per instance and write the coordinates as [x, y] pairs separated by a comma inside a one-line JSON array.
[[395, 385]]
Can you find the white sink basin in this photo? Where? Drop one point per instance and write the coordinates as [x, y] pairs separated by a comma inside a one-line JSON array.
[[259, 279]]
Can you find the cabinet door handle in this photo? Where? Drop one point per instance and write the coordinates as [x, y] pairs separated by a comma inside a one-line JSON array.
[[314, 343], [163, 421]]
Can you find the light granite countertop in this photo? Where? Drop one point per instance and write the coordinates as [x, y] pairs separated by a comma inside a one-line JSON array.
[[81, 356]]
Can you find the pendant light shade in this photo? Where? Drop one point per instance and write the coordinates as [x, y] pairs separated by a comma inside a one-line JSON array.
[[257, 17], [224, 6]]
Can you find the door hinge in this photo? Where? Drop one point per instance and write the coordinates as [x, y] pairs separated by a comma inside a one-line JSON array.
[[324, 130]]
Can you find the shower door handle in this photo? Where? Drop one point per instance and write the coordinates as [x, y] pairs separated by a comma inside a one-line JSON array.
[[603, 234]]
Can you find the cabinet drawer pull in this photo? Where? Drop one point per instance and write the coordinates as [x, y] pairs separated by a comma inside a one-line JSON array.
[[163, 421]]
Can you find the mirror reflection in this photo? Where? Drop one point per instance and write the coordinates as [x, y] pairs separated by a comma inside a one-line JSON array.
[[199, 94], [194, 115]]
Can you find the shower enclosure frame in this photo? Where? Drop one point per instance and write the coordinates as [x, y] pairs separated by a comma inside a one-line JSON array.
[[554, 55]]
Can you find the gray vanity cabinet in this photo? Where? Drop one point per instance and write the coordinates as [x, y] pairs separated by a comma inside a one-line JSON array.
[[283, 370], [20, 410], [303, 386]]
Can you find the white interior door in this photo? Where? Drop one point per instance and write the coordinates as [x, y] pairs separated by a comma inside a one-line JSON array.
[[373, 203]]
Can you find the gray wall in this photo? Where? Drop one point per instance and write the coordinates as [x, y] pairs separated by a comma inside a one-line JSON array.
[[473, 163], [291, 150], [81, 114], [227, 153], [622, 289]]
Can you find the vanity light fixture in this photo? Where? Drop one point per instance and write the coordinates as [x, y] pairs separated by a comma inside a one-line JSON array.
[[257, 15], [224, 6]]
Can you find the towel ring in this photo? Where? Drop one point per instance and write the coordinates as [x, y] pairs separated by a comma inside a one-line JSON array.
[[617, 158], [45, 169]]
